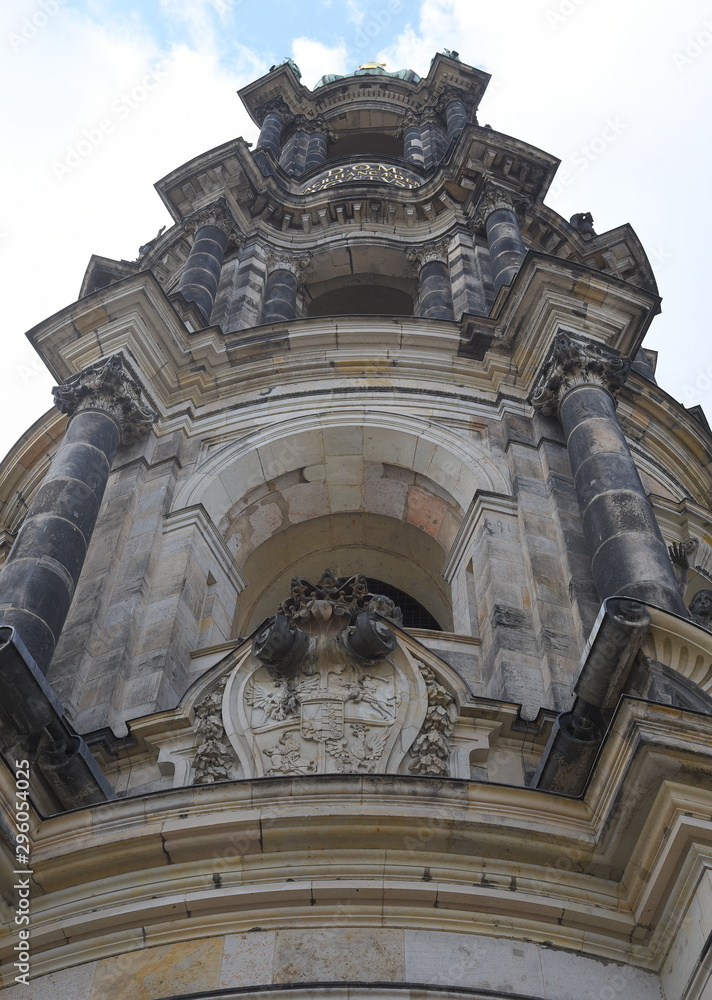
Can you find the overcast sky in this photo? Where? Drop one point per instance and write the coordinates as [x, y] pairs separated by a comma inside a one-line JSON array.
[[620, 92]]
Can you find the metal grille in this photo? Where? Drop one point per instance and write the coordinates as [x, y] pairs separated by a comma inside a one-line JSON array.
[[414, 614]]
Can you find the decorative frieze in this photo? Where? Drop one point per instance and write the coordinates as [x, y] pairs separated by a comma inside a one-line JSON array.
[[353, 172]]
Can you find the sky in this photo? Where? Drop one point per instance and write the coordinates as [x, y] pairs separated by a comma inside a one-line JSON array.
[[102, 98]]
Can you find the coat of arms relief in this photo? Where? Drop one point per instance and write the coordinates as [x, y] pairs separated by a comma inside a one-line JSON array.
[[325, 689]]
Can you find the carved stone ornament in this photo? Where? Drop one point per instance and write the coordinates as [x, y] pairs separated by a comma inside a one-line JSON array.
[[109, 387], [417, 118], [449, 94], [701, 608], [274, 104], [574, 362], [317, 123], [214, 759], [436, 250], [433, 746], [492, 199], [283, 260], [583, 224], [325, 688], [218, 214]]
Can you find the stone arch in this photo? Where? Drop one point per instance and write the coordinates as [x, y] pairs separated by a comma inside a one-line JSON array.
[[357, 491], [457, 464]]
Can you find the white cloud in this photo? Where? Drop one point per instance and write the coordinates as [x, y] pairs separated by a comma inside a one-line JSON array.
[[315, 59], [72, 77], [560, 71]]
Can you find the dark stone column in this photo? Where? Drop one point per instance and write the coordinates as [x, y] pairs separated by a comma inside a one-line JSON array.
[[271, 133], [498, 215], [413, 145], [455, 117], [316, 151], [434, 287], [279, 299], [628, 555], [40, 574], [201, 274]]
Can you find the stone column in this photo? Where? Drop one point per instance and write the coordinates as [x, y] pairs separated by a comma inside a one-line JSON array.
[[628, 555], [271, 133], [201, 274], [455, 118], [316, 151], [279, 299], [213, 228], [40, 574], [413, 140], [497, 213], [434, 287]]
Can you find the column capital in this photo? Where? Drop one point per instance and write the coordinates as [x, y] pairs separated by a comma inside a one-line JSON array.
[[435, 250], [217, 214], [493, 198], [573, 362], [310, 125], [275, 105], [416, 118], [449, 94], [109, 387], [284, 260]]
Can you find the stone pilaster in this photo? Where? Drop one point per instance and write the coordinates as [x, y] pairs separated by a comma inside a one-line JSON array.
[[279, 301], [434, 287], [497, 213], [40, 574], [628, 555]]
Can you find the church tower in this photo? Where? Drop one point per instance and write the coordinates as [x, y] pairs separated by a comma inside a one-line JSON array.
[[356, 608]]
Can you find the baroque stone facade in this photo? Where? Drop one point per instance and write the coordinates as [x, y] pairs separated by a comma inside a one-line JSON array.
[[470, 758]]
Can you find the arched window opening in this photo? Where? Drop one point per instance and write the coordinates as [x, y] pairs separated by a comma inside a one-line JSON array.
[[414, 614]]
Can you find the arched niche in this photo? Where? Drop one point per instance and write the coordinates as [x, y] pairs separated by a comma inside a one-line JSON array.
[[365, 132], [359, 542], [361, 277]]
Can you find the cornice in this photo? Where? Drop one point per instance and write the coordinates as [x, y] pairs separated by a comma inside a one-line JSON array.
[[600, 874]]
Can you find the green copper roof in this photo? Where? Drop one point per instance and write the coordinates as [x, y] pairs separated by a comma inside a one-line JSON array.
[[401, 74]]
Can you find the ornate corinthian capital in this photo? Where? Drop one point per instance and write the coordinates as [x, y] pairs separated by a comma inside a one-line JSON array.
[[107, 386], [574, 362], [283, 260], [219, 215], [435, 250], [494, 198]]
